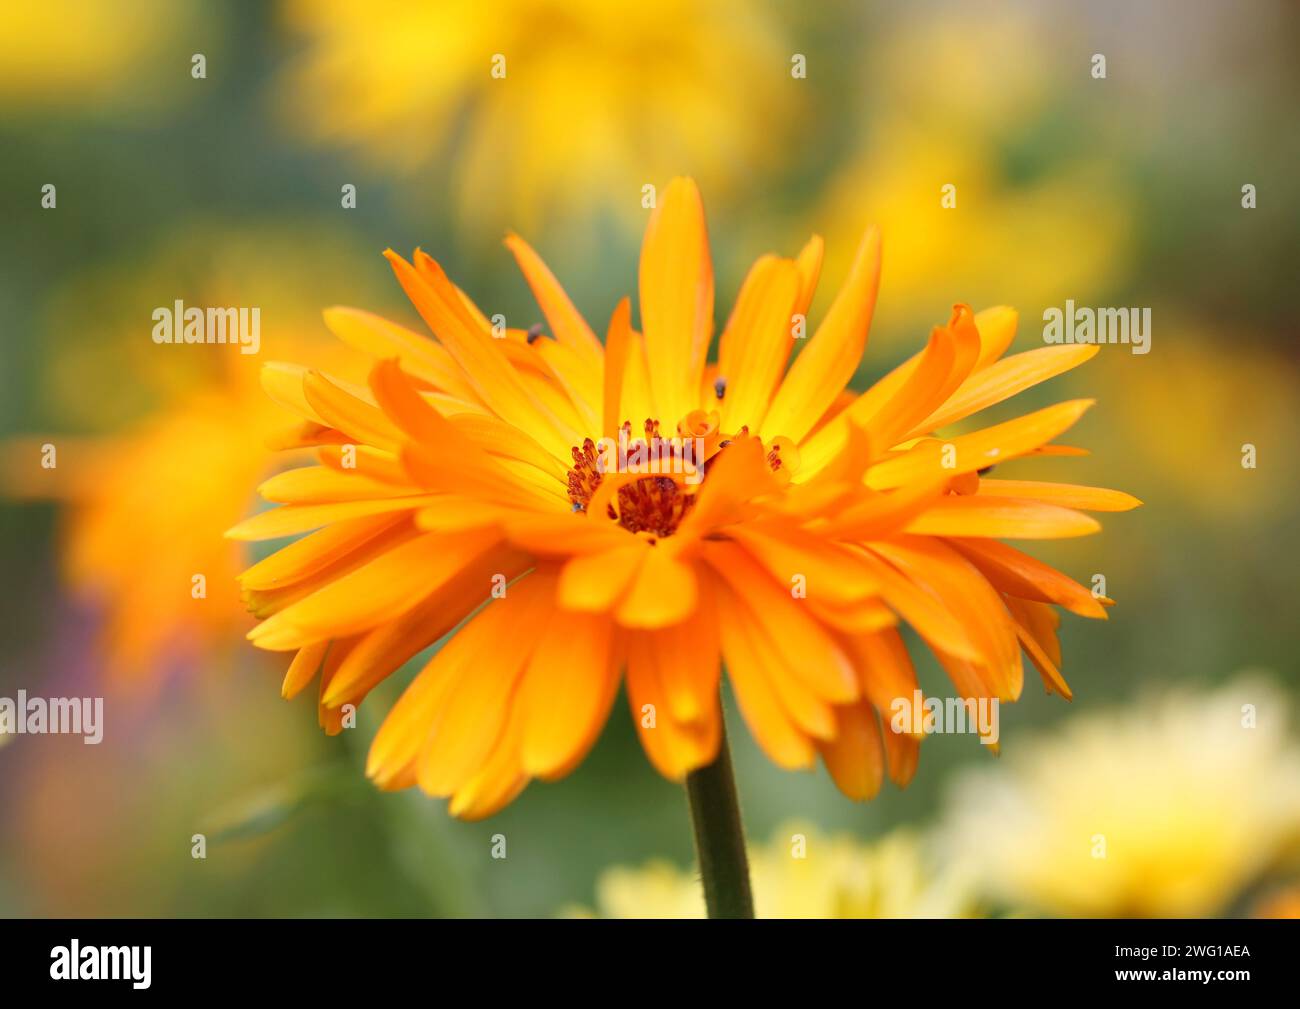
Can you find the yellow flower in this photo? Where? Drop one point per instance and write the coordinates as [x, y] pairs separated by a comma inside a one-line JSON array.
[[802, 873], [1042, 228], [515, 93], [1169, 808], [784, 527], [1243, 393], [88, 54]]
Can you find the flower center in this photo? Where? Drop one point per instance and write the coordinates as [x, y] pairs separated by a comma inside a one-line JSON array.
[[655, 503], [667, 472]]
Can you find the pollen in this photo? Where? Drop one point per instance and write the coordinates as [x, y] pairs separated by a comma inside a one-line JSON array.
[[584, 475], [655, 505]]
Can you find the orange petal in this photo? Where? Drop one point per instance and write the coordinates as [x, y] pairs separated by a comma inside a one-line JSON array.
[[618, 345], [675, 748], [828, 362], [362, 460], [854, 757], [387, 586], [885, 669], [288, 520], [809, 261], [566, 534], [566, 322], [1067, 495], [362, 421], [830, 573], [943, 366], [967, 595], [497, 438], [736, 474], [686, 662], [676, 282], [1038, 638], [663, 592], [1005, 379], [500, 779], [455, 513], [888, 511], [810, 714], [374, 335], [303, 669], [566, 692], [323, 485], [383, 650], [595, 582], [283, 383], [1003, 518], [1025, 577], [799, 643], [997, 328], [902, 752], [982, 448], [405, 733], [440, 456], [756, 341], [927, 615], [494, 380], [472, 712], [314, 553], [773, 728]]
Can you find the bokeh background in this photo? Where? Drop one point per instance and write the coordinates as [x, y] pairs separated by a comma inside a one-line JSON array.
[[226, 190]]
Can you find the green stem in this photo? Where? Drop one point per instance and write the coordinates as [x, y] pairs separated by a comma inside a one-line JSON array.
[[720, 837]]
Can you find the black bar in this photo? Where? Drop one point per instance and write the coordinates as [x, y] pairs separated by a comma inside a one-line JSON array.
[[338, 957]]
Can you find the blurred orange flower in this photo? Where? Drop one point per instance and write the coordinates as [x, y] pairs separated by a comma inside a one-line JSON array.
[[148, 499]]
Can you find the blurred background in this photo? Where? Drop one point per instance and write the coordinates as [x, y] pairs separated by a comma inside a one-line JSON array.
[[226, 189]]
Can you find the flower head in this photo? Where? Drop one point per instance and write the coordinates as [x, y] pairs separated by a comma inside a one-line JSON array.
[[503, 96], [1169, 808], [632, 511], [176, 455], [83, 55], [136, 494]]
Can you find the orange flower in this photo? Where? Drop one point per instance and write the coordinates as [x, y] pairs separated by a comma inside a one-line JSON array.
[[134, 495], [786, 528]]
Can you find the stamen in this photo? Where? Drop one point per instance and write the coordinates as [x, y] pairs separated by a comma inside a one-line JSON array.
[[720, 387], [534, 331], [654, 505], [584, 476]]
